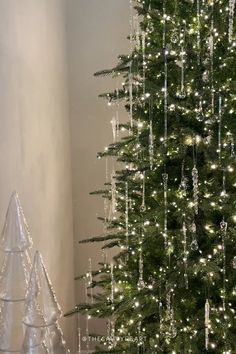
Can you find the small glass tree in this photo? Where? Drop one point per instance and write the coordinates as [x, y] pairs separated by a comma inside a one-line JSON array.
[[42, 312], [14, 276]]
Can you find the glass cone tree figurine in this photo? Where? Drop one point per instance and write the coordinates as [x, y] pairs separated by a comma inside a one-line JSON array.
[[42, 312], [174, 212], [14, 276]]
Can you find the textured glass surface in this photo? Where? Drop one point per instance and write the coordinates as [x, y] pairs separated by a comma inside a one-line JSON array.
[[15, 234], [55, 341], [14, 276], [11, 327], [33, 341], [41, 349], [42, 308]]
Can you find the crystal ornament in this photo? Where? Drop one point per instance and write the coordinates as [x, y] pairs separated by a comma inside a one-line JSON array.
[[137, 32], [174, 36], [87, 316], [112, 283], [90, 280], [151, 136], [127, 214], [207, 323], [144, 60], [200, 114], [14, 276], [165, 89], [114, 126], [131, 96], [220, 128], [41, 306], [198, 29], [143, 205], [223, 227], [206, 76], [195, 188], [11, 327], [182, 93], [165, 184], [185, 259], [141, 284], [131, 9], [234, 262], [184, 182], [231, 19], [15, 234], [113, 192], [79, 339], [194, 244]]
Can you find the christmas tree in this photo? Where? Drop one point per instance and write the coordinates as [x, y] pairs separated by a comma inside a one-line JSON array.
[[170, 205]]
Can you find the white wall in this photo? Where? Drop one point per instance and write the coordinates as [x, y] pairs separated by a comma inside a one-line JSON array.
[[97, 32], [34, 132]]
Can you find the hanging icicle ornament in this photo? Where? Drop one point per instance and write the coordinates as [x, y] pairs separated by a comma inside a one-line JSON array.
[[200, 114], [198, 31], [182, 93], [127, 214], [112, 321], [78, 334], [87, 317], [185, 259], [165, 88], [165, 184], [232, 145], [151, 137], [207, 323], [194, 244], [113, 193], [174, 38], [220, 128], [131, 96], [231, 19], [117, 114], [144, 61], [183, 183], [131, 38], [223, 227], [195, 188], [173, 329], [137, 32], [234, 262], [141, 284], [90, 280], [160, 312], [114, 127], [143, 205], [112, 283], [224, 192], [211, 49]]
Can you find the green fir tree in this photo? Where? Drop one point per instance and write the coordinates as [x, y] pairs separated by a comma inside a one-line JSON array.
[[172, 213]]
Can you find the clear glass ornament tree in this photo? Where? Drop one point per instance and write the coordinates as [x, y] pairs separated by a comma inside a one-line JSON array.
[[14, 276], [42, 312]]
